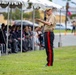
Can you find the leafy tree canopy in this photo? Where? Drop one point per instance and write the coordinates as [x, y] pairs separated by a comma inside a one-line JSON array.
[[73, 16], [50, 0], [16, 14]]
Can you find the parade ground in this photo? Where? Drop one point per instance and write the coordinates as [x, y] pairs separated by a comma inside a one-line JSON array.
[[33, 63]]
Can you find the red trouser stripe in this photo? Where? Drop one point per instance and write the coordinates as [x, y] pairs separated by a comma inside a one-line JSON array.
[[49, 49]]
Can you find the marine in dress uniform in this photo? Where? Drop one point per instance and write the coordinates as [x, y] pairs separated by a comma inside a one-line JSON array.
[[49, 26]]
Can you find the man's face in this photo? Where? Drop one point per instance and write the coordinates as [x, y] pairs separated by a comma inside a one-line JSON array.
[[49, 12]]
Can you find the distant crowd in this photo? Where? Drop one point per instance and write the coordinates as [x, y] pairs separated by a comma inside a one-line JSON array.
[[29, 39]]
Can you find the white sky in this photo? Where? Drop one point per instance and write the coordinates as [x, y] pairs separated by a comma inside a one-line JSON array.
[[63, 3]]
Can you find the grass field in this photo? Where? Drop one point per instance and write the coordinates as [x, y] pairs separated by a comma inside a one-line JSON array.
[[33, 63], [62, 31]]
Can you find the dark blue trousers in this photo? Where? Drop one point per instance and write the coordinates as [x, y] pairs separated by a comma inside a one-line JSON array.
[[49, 38]]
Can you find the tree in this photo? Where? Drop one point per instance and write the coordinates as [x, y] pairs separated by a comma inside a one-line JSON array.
[[16, 14], [30, 15], [50, 0], [73, 16], [67, 7], [37, 14], [13, 14], [26, 15], [5, 15]]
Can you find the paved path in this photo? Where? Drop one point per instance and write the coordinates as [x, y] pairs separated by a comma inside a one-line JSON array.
[[66, 40]]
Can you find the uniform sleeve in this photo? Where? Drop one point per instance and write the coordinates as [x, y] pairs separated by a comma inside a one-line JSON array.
[[52, 20]]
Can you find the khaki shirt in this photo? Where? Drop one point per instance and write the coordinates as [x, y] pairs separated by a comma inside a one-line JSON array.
[[52, 20], [74, 23]]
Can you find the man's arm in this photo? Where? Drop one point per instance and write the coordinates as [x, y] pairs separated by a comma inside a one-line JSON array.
[[44, 22]]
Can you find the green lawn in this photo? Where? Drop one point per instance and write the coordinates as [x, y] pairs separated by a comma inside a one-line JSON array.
[[62, 31], [33, 63]]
